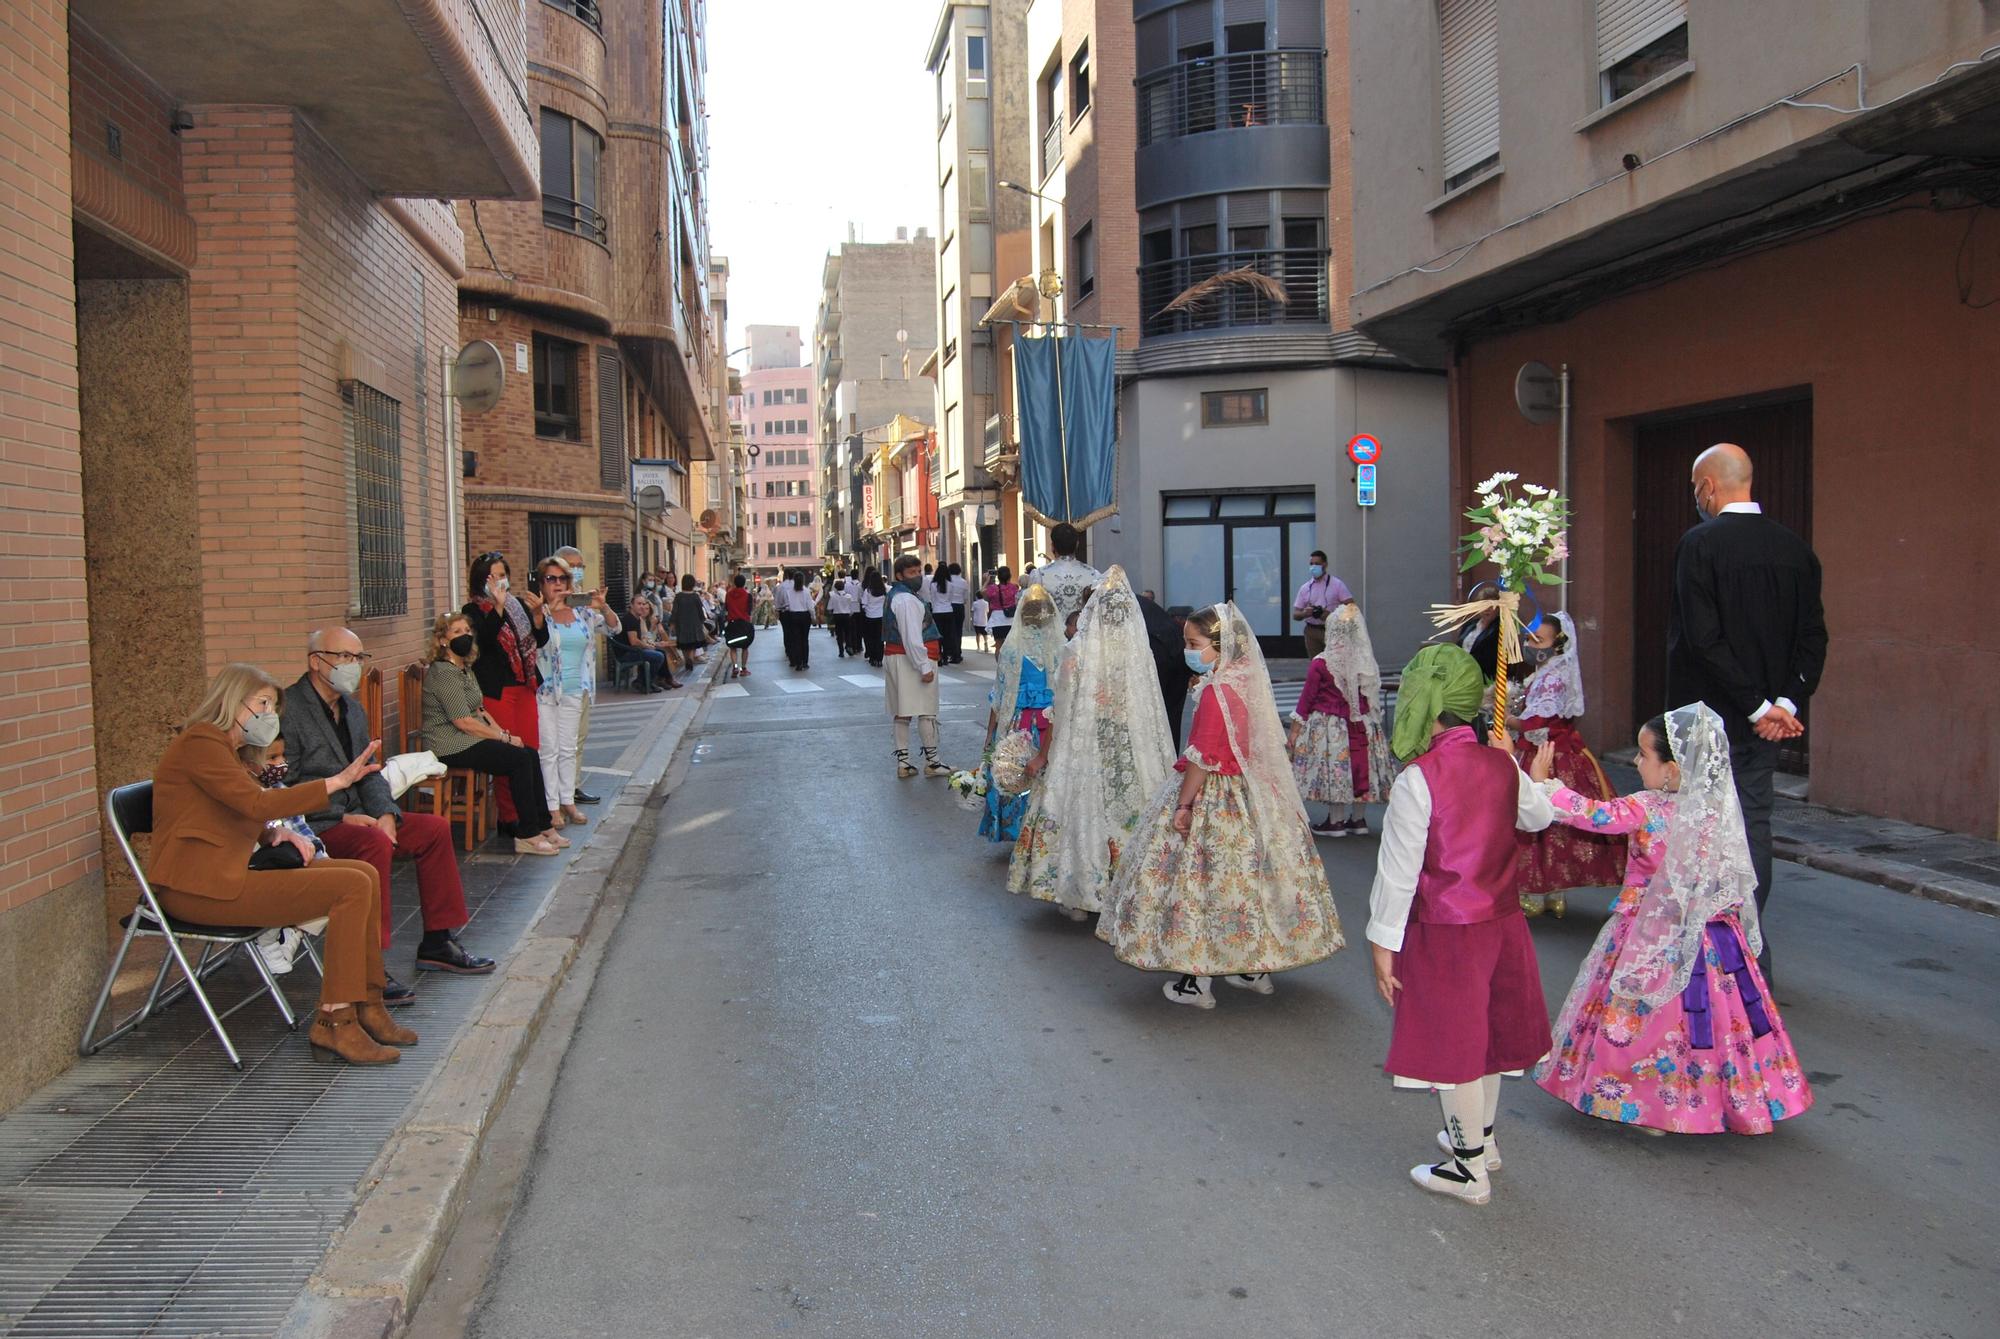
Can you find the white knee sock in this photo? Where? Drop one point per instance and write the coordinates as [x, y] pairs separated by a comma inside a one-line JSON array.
[[902, 739], [1489, 1089], [927, 731], [1464, 1123]]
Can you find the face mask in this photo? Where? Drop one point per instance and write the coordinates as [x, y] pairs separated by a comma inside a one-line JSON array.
[[576, 577], [273, 775], [344, 678], [1701, 509], [1316, 571], [1194, 660], [648, 587], [501, 587], [461, 646], [260, 729]]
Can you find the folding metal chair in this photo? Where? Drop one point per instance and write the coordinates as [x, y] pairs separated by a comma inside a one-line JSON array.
[[130, 811]]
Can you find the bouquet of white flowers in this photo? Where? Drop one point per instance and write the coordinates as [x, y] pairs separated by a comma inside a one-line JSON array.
[[1524, 534]]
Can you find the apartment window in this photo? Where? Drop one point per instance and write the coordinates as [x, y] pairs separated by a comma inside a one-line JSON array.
[[558, 407], [1468, 87], [1083, 261], [374, 427], [1637, 42], [584, 10], [1235, 409], [571, 155], [1079, 83], [975, 58], [978, 184]]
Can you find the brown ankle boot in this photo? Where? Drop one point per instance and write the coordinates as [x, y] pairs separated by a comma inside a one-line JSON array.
[[337, 1034], [376, 1022]]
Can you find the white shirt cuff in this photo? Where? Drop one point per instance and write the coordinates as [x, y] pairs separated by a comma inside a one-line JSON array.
[[1388, 936], [1789, 705], [1760, 713]]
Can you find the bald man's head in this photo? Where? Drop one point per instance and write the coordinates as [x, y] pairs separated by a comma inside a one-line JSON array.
[[1721, 476]]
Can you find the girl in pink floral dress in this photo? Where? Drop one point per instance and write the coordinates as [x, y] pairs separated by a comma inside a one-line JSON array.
[[1670, 1024]]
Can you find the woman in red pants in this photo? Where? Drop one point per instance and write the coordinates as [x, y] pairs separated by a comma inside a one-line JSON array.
[[511, 631]]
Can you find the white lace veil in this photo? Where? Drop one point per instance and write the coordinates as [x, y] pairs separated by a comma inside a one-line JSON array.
[[1257, 740], [1112, 749], [1556, 689], [1706, 871], [1037, 636], [1350, 658]]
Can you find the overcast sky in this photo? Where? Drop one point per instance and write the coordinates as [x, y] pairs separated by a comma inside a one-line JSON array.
[[820, 114]]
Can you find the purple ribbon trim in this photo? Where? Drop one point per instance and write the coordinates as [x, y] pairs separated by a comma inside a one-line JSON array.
[[1694, 1000]]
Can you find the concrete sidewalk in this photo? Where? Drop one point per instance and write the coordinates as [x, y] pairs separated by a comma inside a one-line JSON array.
[[153, 1190], [1942, 866]]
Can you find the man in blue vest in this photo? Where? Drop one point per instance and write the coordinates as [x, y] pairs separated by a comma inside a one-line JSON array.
[[909, 668]]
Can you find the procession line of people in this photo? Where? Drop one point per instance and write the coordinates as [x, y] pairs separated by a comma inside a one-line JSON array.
[[1203, 867]]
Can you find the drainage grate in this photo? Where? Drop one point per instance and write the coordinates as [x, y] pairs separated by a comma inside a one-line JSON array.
[[153, 1190]]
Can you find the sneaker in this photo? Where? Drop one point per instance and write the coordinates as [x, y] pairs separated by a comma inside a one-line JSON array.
[[278, 948], [1356, 827], [1454, 1178], [1259, 983], [1492, 1150], [1329, 829], [1195, 991]]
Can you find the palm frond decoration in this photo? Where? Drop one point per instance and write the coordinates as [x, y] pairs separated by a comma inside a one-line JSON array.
[[1262, 284], [1021, 302]]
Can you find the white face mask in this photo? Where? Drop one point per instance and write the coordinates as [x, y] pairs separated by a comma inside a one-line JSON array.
[[260, 729], [344, 678]]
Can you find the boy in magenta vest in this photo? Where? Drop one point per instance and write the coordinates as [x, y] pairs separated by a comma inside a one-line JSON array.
[[1452, 953]]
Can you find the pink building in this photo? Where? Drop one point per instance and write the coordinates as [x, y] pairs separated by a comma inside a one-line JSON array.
[[779, 411]]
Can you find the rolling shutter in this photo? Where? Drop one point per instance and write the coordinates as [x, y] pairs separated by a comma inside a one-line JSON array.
[[610, 420], [1626, 26], [1468, 83]]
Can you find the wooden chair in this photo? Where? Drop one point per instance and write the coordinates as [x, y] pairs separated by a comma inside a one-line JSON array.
[[460, 795]]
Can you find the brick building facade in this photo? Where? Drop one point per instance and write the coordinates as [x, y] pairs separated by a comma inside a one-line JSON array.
[[596, 297], [220, 410]]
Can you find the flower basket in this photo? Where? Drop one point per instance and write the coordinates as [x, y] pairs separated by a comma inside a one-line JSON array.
[[970, 788]]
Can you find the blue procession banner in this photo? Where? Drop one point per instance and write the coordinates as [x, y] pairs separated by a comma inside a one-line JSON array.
[[1066, 403]]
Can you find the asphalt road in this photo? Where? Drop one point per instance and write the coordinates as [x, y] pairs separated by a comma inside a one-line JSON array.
[[832, 1080]]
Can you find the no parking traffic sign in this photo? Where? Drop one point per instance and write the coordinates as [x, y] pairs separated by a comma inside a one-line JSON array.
[[1363, 449]]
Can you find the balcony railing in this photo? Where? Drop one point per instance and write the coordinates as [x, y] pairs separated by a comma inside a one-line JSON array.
[[895, 513], [1052, 144], [1302, 273], [584, 10], [574, 216], [1249, 88]]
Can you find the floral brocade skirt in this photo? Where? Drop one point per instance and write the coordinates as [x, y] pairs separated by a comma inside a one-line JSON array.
[[1225, 898], [1560, 857], [1322, 765], [1725, 1065]]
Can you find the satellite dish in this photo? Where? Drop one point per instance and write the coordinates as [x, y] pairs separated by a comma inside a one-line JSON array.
[[709, 522], [652, 502], [1536, 394], [478, 376]]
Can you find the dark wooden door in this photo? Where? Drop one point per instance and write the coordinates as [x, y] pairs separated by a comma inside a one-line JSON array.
[[1778, 435]]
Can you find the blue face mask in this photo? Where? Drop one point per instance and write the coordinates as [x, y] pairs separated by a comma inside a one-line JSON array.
[[1194, 660], [1316, 571]]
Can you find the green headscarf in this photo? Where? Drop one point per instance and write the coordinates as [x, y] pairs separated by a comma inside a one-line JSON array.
[[1437, 680]]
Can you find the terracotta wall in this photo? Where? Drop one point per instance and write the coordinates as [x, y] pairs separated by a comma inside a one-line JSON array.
[[1904, 399]]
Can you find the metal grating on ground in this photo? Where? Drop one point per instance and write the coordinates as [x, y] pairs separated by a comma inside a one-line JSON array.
[[155, 1191]]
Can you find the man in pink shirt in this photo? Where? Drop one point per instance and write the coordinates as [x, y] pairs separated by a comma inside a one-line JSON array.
[[1317, 599]]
